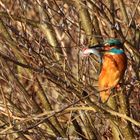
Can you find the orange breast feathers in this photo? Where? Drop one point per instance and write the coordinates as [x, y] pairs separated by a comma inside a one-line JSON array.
[[113, 69]]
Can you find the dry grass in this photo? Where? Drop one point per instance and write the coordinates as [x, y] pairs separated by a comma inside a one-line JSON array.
[[42, 77]]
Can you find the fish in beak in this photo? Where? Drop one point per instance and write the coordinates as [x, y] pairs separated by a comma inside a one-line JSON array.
[[93, 50]]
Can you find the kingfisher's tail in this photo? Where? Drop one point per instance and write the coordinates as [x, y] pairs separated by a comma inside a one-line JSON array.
[[104, 95]]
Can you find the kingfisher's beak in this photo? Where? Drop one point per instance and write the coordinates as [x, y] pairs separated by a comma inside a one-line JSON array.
[[99, 47]]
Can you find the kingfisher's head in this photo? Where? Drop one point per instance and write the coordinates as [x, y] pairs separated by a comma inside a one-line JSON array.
[[113, 46], [112, 43]]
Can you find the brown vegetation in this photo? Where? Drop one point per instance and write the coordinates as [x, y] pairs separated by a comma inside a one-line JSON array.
[[47, 90]]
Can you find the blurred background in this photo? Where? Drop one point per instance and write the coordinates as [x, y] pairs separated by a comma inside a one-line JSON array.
[[47, 90]]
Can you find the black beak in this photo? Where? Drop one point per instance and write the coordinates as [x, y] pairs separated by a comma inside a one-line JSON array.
[[99, 47]]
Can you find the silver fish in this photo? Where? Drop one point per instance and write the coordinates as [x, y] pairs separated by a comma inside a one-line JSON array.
[[88, 51]]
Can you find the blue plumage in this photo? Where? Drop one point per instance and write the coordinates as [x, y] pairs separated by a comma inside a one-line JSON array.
[[116, 51], [112, 42]]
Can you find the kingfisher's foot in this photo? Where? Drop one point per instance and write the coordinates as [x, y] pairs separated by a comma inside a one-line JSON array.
[[118, 87]]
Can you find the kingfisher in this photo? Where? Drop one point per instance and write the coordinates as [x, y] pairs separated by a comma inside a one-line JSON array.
[[114, 64]]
